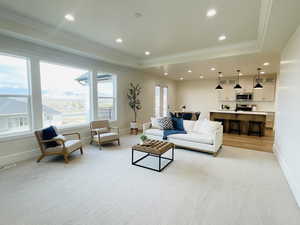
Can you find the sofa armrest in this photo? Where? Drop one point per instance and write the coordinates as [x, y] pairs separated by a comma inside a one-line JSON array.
[[75, 133], [218, 138], [146, 126], [116, 129]]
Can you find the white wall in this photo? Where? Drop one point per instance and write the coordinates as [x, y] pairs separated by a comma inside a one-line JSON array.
[[12, 150], [288, 111], [197, 95], [201, 96]]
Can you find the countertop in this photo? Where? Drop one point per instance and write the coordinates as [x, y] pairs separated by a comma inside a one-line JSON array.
[[240, 112]]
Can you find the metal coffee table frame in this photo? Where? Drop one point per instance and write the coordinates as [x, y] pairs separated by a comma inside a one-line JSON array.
[[159, 156]]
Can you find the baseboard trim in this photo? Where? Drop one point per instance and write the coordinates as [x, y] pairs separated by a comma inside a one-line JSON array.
[[294, 186], [26, 155], [34, 153], [124, 131], [18, 157]]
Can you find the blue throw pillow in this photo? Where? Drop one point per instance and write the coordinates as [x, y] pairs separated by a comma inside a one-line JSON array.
[[187, 116], [47, 134], [177, 123]]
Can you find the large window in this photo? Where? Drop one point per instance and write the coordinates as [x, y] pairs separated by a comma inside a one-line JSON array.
[[65, 95], [14, 95], [161, 101], [157, 101], [106, 89], [165, 101]]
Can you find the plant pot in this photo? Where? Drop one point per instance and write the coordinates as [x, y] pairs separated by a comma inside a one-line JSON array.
[[133, 124]]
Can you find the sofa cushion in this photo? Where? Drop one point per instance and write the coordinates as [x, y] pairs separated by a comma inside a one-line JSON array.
[[205, 126], [154, 132], [194, 137], [154, 122], [170, 132], [188, 125], [70, 145], [165, 123], [106, 137]]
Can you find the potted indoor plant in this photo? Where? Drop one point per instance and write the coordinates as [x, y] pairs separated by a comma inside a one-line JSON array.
[[143, 138], [134, 103]]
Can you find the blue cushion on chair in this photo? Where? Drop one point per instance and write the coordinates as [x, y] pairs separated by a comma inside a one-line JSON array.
[[47, 134]]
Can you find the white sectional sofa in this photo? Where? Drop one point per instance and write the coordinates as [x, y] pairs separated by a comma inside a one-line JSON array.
[[202, 135]]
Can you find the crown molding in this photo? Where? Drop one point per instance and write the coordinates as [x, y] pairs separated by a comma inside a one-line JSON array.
[[18, 26], [204, 54], [249, 47], [27, 29], [264, 19]]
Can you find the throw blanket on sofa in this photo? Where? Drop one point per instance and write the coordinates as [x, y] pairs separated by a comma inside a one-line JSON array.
[[169, 132]]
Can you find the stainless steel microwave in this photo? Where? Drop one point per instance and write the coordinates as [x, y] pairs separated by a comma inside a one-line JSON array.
[[244, 97]]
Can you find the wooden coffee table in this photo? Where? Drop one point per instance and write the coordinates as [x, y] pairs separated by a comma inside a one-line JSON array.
[[153, 148]]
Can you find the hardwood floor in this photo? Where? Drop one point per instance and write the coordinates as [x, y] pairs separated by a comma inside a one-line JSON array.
[[263, 144]]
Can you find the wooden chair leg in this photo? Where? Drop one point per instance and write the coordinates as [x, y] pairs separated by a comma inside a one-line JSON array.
[[81, 151], [66, 158], [40, 158], [118, 141]]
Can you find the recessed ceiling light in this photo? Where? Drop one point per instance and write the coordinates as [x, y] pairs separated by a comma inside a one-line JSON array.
[[181, 78], [189, 71], [262, 72], [147, 53], [266, 63], [69, 17], [119, 40], [213, 69], [201, 77], [211, 12], [166, 74], [222, 38]]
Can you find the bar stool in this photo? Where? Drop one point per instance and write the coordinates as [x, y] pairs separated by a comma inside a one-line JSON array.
[[222, 121], [235, 126], [255, 124]]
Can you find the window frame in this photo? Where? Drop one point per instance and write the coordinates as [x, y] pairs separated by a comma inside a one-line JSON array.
[[161, 112], [28, 96], [90, 102], [115, 88], [34, 96], [165, 105], [157, 105]]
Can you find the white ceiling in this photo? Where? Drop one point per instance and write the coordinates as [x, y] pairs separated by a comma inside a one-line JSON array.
[[177, 33], [166, 27], [248, 65]]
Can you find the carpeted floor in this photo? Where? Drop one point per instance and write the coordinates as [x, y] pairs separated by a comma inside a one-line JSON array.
[[103, 188]]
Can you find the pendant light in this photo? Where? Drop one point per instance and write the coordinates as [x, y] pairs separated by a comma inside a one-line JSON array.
[[238, 86], [258, 85], [219, 87]]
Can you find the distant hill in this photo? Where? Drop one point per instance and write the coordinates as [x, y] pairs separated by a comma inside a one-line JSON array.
[[13, 91]]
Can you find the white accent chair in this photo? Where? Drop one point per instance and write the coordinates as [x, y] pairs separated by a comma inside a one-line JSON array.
[[202, 135]]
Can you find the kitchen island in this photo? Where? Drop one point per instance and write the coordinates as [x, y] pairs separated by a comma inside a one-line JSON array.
[[244, 117]]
